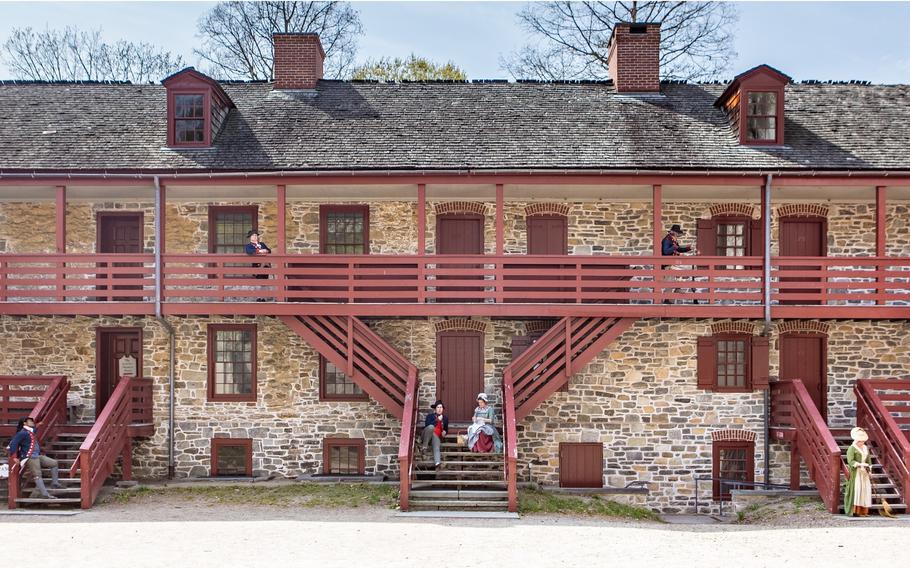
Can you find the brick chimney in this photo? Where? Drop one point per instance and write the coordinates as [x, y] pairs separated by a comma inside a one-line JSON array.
[[298, 61], [634, 57]]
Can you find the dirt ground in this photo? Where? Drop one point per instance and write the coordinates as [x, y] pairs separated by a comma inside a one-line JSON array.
[[166, 530]]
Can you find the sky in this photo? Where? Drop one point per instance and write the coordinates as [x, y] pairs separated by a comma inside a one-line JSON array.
[[807, 40]]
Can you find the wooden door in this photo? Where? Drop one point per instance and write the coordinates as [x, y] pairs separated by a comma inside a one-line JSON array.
[[548, 234], [460, 234], [112, 344], [804, 357], [459, 372], [581, 464], [120, 233], [802, 236]]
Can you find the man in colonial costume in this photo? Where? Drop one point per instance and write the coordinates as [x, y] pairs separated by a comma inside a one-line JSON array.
[[858, 493]]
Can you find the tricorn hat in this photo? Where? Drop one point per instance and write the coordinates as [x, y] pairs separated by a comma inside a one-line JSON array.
[[252, 232], [437, 403], [859, 435], [677, 229]]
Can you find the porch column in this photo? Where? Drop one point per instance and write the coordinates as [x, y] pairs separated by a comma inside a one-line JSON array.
[[60, 231], [500, 220], [657, 222], [281, 197], [421, 218], [881, 226]]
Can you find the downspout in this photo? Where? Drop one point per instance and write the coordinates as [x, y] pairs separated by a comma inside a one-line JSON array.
[[766, 205], [172, 362]]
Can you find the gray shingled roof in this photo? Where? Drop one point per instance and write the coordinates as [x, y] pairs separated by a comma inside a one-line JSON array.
[[364, 126]]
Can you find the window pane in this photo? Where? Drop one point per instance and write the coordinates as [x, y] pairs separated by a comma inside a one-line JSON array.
[[189, 106], [233, 362], [761, 128], [192, 130], [231, 460], [344, 460], [731, 239], [339, 384], [762, 104], [344, 232], [230, 231], [731, 363]]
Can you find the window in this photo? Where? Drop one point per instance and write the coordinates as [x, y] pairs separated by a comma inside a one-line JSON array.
[[734, 461], [733, 362], [344, 229], [228, 227], [731, 237], [189, 119], [761, 120], [343, 456], [334, 384], [232, 457], [232, 362]]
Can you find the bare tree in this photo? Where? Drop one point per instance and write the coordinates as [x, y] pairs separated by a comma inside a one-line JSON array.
[[71, 54], [696, 38], [237, 36]]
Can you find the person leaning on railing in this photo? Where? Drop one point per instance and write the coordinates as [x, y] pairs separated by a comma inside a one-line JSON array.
[[257, 248], [24, 450], [670, 246]]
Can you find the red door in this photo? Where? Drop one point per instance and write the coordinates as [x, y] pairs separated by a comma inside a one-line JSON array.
[[548, 234], [459, 372], [804, 357], [459, 234], [802, 236], [111, 346], [120, 233]]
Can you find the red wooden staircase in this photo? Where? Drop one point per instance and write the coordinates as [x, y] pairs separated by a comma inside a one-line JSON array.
[[543, 368], [375, 366]]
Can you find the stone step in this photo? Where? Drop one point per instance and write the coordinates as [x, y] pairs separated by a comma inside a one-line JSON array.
[[469, 495], [64, 481], [463, 473], [417, 484], [62, 501], [459, 505], [460, 463]]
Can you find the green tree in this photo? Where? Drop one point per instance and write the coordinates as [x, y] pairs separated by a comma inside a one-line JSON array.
[[411, 69]]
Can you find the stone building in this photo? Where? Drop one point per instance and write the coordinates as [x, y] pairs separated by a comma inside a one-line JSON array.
[[435, 240]]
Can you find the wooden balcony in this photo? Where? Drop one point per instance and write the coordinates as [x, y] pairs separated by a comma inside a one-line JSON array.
[[423, 285]]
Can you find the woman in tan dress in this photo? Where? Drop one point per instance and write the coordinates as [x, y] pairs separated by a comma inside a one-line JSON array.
[[858, 493]]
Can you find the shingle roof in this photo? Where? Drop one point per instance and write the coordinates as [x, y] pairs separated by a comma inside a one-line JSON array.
[[482, 125]]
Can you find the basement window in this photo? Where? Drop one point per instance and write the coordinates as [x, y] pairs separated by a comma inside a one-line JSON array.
[[232, 457], [343, 456], [732, 461]]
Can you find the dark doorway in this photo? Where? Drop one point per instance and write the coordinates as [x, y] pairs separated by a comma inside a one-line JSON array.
[[802, 236], [804, 356], [459, 234], [459, 372], [547, 235], [120, 233], [111, 345]]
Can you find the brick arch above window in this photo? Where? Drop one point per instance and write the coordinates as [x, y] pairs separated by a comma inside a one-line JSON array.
[[725, 327], [547, 209], [460, 325], [803, 210], [474, 207], [730, 435], [802, 326], [539, 327], [733, 209]]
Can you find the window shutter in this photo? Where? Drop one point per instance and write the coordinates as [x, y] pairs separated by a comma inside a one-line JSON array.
[[707, 241], [757, 239], [707, 363], [760, 368]]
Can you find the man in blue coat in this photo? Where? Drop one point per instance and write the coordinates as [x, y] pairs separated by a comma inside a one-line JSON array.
[[24, 448], [670, 246], [435, 429]]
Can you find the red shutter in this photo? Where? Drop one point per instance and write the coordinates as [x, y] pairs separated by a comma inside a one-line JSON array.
[[760, 369], [706, 240], [707, 363], [756, 239]]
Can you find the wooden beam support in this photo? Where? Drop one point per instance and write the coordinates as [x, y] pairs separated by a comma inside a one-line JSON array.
[[657, 220], [61, 218], [881, 220], [421, 218], [500, 219], [281, 198]]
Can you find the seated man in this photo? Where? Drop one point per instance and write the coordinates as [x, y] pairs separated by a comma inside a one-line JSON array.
[[434, 429], [24, 449]]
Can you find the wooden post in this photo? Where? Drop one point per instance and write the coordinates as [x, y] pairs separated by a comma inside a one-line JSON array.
[[350, 369], [568, 346], [657, 222], [61, 238], [500, 220], [794, 465], [881, 224], [127, 459], [421, 219], [281, 241]]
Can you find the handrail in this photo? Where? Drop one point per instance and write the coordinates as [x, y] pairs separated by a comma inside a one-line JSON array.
[[884, 432], [406, 445], [813, 442], [48, 414], [108, 439], [510, 435]]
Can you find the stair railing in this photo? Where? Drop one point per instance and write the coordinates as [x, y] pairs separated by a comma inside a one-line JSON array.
[[106, 441], [408, 436], [893, 448], [793, 406], [510, 439], [48, 414]]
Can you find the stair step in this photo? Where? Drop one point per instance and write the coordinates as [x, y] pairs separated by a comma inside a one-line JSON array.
[[64, 481], [465, 473], [416, 484], [61, 501], [447, 463], [465, 453], [469, 495], [454, 504]]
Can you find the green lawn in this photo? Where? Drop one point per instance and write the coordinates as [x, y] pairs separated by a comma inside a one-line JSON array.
[[284, 495], [535, 501]]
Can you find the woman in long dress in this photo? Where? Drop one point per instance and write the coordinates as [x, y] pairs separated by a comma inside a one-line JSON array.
[[482, 435], [858, 493]]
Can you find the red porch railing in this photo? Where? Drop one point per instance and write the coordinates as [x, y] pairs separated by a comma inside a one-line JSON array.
[[106, 441], [881, 408], [792, 407], [43, 399], [408, 433], [77, 277], [510, 438]]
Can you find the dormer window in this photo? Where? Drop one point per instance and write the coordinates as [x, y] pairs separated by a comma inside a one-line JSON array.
[[761, 121], [197, 107], [189, 119], [754, 102]]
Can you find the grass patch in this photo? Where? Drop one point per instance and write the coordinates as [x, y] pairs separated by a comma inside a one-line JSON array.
[[349, 495], [536, 501]]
